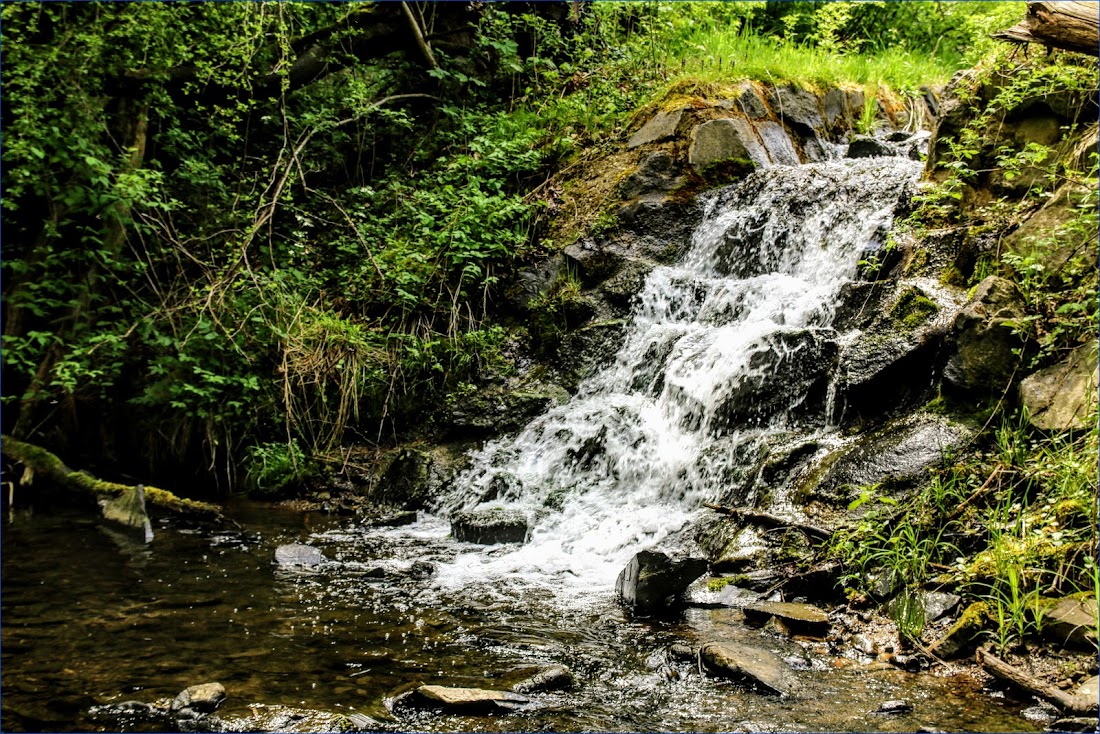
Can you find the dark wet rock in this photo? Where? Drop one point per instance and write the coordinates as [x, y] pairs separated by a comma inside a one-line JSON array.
[[594, 261], [652, 580], [464, 700], [895, 707], [1071, 622], [398, 519], [962, 637], [725, 139], [798, 618], [421, 569], [298, 555], [894, 456], [661, 126], [681, 653], [864, 146], [1062, 397], [777, 143], [835, 105], [534, 282], [497, 409], [983, 357], [657, 172], [489, 526], [621, 288], [787, 369], [584, 350], [203, 698], [551, 678], [753, 666]]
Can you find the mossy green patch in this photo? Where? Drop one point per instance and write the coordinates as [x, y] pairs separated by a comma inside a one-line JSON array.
[[913, 308]]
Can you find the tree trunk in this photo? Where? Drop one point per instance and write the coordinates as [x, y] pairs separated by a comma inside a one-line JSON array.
[[1071, 26]]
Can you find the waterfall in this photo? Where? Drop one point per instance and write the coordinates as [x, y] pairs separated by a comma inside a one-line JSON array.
[[727, 347]]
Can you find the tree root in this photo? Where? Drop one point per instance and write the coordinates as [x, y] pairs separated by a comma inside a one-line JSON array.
[[43, 463]]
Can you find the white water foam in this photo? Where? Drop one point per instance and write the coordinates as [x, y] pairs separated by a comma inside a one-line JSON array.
[[628, 461]]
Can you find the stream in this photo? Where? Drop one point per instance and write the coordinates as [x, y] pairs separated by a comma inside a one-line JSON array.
[[725, 352]]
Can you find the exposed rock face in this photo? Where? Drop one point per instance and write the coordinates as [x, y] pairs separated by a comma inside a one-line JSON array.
[[983, 359], [464, 700], [1062, 397], [652, 580], [657, 172], [797, 618], [298, 555], [1072, 623], [896, 454], [758, 668], [489, 527], [661, 126], [203, 698], [727, 139]]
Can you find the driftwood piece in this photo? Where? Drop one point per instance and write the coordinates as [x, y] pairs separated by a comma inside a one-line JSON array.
[[771, 521], [45, 464], [1078, 705], [1071, 26]]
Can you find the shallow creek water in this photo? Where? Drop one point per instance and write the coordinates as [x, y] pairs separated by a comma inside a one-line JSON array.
[[91, 616]]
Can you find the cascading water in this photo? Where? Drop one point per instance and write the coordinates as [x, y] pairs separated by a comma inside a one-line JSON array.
[[729, 346]]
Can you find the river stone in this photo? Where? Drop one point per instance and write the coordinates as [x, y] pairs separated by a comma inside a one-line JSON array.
[[660, 126], [798, 618], [864, 146], [777, 143], [895, 707], [490, 526], [726, 139], [982, 357], [652, 580], [395, 520], [466, 700], [552, 678], [203, 698], [759, 668], [1061, 397], [1074, 724], [1071, 622], [298, 554]]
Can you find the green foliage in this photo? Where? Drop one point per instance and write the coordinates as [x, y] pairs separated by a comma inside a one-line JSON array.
[[274, 468]]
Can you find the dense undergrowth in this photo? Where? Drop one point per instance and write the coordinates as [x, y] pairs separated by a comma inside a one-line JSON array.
[[1011, 521]]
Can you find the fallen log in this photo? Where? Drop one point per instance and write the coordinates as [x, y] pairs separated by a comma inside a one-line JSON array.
[[1069, 703], [771, 521], [45, 464], [1071, 26]]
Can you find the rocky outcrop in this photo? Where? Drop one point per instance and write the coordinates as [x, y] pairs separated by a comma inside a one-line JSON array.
[[754, 667], [985, 351], [489, 526], [1064, 396], [653, 580]]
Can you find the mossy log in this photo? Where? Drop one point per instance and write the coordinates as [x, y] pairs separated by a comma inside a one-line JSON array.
[[45, 464]]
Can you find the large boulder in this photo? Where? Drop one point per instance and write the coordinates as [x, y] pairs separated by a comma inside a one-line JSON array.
[[489, 526], [725, 139], [661, 126], [652, 580], [753, 666], [1062, 397], [985, 350]]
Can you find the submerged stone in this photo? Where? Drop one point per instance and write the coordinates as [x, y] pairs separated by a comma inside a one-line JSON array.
[[465, 700], [652, 580], [551, 678], [299, 555], [758, 668], [489, 527]]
